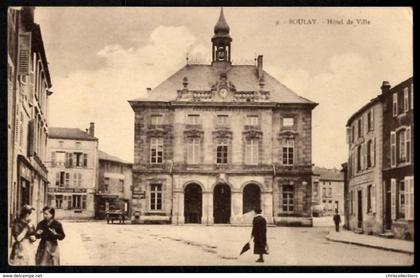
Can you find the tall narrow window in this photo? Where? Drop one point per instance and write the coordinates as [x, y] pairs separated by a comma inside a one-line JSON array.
[[401, 146], [369, 198], [359, 128], [412, 96], [393, 149], [222, 153], [193, 150], [251, 151], [156, 197], [359, 158], [156, 150], [106, 185], [401, 199], [395, 104], [352, 133], [288, 195], [85, 160], [409, 198], [58, 201], [288, 151], [77, 201], [121, 185], [408, 144], [84, 197], [67, 182], [369, 154], [252, 120], [406, 103]]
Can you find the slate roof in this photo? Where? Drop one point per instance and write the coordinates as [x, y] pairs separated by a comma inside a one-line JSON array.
[[69, 133], [328, 174], [202, 77], [106, 156]]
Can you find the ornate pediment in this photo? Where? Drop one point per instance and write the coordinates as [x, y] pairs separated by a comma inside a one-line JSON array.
[[193, 132], [252, 133], [222, 133], [157, 131]]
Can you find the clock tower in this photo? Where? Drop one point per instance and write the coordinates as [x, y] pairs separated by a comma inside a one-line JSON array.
[[221, 41]]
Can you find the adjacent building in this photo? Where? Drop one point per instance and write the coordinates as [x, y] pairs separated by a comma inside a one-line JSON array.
[[29, 86], [328, 190], [114, 185], [73, 157], [380, 165], [213, 142], [398, 159]]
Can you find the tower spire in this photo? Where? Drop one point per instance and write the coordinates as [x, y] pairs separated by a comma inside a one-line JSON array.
[[221, 40]]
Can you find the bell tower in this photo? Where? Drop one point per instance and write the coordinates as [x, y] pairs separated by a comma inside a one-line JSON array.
[[221, 41]]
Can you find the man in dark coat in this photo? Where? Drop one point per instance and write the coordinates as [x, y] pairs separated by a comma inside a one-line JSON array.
[[259, 233], [337, 221]]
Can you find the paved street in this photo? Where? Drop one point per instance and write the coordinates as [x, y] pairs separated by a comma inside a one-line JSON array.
[[96, 243]]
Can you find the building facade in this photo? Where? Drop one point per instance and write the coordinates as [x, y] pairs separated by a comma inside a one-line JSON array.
[[213, 142], [380, 166], [114, 185], [398, 159], [73, 157], [29, 86], [328, 190], [365, 168]]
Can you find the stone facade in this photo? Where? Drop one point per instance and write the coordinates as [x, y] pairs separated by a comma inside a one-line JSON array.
[[114, 183], [328, 190], [29, 86], [398, 162], [72, 172], [232, 139]]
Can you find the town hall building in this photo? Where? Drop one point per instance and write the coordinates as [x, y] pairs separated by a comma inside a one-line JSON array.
[[214, 142]]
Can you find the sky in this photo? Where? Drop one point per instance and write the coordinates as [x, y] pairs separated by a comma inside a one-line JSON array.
[[101, 57]]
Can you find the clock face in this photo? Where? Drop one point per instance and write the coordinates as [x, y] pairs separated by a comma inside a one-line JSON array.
[[223, 92]]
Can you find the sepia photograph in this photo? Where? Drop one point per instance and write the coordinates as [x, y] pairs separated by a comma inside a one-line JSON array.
[[210, 136]]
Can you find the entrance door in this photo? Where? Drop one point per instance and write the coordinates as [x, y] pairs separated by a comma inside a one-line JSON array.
[[388, 220], [359, 209], [193, 198], [221, 203], [251, 198]]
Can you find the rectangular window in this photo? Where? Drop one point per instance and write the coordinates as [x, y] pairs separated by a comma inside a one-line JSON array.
[[84, 197], [324, 192], [288, 122], [156, 150], [329, 191], [288, 195], [369, 198], [359, 128], [78, 159], [194, 119], [252, 120], [393, 149], [369, 154], [156, 197], [222, 154], [222, 119], [406, 103], [370, 120], [60, 158], [67, 182], [69, 202], [77, 201], [251, 152], [401, 199], [121, 185], [351, 202], [395, 104], [156, 119], [352, 133], [106, 184], [193, 150], [359, 158], [85, 160], [408, 144], [58, 201], [288, 152], [409, 198], [401, 146]]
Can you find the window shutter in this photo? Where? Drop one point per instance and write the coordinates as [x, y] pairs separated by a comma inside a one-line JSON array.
[[372, 119], [373, 197], [393, 149], [24, 57], [408, 144], [362, 133], [31, 137], [364, 155], [395, 104], [409, 198], [74, 179], [393, 199], [373, 151], [57, 178], [80, 180]]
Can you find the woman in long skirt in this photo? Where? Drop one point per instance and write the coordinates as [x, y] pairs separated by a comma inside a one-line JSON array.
[[23, 232], [49, 231]]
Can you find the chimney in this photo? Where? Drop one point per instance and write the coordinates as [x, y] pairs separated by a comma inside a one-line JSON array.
[[92, 129], [260, 67], [149, 90], [385, 87]]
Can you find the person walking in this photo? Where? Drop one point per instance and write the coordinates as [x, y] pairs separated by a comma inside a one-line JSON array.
[[337, 220], [259, 233], [49, 231], [23, 233]]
